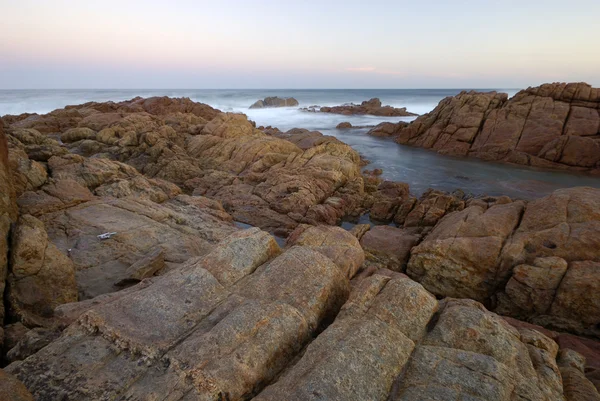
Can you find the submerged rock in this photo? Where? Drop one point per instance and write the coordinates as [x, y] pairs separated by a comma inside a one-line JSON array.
[[275, 101]]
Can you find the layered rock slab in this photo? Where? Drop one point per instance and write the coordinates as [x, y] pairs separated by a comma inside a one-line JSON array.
[[359, 356], [191, 335]]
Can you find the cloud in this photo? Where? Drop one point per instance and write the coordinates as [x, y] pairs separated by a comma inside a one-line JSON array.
[[361, 69]]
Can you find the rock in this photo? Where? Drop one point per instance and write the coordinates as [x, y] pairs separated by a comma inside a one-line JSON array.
[[552, 126], [470, 352], [227, 339], [40, 276], [372, 107], [359, 230], [430, 208], [459, 257], [12, 389], [533, 288], [147, 266], [387, 129], [343, 125], [576, 385], [8, 215], [363, 351], [576, 296], [13, 333], [275, 101], [336, 243], [387, 199], [562, 225], [27, 175], [535, 261], [179, 227], [31, 342], [388, 247], [274, 181]]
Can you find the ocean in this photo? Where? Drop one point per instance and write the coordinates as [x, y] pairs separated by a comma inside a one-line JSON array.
[[421, 169]]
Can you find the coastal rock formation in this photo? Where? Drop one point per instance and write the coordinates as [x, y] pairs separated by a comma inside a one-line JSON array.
[[227, 335], [272, 181], [236, 340], [553, 126], [371, 107], [537, 261], [128, 278], [275, 101]]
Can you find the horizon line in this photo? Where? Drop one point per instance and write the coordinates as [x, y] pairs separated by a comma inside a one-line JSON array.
[[254, 89]]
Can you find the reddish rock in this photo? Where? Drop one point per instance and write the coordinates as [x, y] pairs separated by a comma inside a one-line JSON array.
[[552, 126], [388, 247], [372, 107], [344, 125]]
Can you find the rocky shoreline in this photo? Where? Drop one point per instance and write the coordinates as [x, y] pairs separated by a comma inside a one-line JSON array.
[[551, 126], [126, 277]]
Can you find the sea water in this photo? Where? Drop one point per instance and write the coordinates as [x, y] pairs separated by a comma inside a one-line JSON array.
[[420, 168]]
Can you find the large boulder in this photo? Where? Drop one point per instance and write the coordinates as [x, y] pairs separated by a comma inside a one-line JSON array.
[[275, 101], [40, 276], [459, 258], [388, 247], [361, 354]]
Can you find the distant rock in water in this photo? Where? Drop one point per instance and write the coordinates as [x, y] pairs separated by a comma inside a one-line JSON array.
[[347, 125], [552, 126], [372, 107], [386, 129], [275, 101]]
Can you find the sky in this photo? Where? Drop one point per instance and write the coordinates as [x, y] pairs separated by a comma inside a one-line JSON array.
[[297, 44]]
